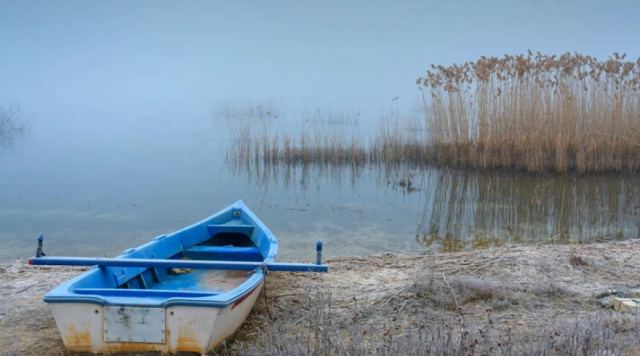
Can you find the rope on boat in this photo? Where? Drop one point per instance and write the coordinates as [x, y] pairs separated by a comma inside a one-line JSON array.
[[264, 292]]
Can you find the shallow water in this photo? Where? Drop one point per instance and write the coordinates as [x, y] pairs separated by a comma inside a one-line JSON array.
[[98, 186]]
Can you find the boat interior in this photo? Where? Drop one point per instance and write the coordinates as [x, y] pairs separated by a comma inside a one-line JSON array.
[[233, 240]]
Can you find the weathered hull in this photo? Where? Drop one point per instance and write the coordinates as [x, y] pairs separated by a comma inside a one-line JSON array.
[[162, 307], [84, 327]]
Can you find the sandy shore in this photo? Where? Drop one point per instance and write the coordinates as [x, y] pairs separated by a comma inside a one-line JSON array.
[[525, 292]]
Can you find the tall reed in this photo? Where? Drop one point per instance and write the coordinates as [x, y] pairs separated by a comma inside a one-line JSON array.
[[536, 113], [323, 139]]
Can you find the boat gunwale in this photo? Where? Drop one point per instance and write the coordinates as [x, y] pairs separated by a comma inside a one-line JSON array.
[[64, 292]]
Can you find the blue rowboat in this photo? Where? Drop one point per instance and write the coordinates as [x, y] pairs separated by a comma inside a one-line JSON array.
[[185, 291]]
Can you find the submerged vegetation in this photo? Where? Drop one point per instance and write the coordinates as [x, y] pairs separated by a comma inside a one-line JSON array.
[[535, 113]]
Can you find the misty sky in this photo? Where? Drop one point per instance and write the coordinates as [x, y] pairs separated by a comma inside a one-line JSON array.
[[119, 100], [131, 55]]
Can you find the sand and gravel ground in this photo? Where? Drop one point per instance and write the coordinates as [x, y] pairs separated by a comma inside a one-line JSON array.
[[518, 290]]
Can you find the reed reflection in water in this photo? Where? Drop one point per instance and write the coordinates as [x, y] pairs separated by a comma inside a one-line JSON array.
[[462, 209], [295, 176], [465, 210]]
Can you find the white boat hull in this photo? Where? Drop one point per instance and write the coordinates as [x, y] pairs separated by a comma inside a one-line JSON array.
[[87, 327]]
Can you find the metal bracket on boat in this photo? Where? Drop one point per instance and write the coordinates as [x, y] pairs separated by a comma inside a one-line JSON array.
[[40, 251], [265, 269], [319, 252]]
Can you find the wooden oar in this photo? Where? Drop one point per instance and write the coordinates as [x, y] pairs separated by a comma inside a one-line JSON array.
[[193, 264]]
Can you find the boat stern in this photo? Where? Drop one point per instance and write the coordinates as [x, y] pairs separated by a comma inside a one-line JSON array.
[[94, 328]]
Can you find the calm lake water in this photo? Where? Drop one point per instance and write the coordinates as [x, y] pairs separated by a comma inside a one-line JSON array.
[[98, 185]]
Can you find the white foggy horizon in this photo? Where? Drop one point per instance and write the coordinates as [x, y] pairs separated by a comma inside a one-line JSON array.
[[141, 58]]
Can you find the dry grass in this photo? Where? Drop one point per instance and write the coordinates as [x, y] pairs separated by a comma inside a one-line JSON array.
[[518, 300], [536, 113], [512, 300], [455, 291], [324, 333]]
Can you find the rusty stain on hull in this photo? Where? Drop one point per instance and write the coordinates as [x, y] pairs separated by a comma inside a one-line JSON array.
[[187, 336], [132, 347], [188, 341], [77, 340], [80, 341]]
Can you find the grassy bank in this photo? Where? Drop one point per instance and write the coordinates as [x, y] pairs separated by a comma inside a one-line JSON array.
[[510, 300], [504, 301]]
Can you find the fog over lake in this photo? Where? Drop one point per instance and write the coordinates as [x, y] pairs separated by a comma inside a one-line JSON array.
[[127, 111]]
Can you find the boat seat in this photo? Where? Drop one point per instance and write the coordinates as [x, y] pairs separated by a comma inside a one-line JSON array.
[[224, 253], [232, 228]]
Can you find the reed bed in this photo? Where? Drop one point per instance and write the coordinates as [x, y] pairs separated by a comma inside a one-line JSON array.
[[537, 113], [399, 140], [323, 139], [327, 140]]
